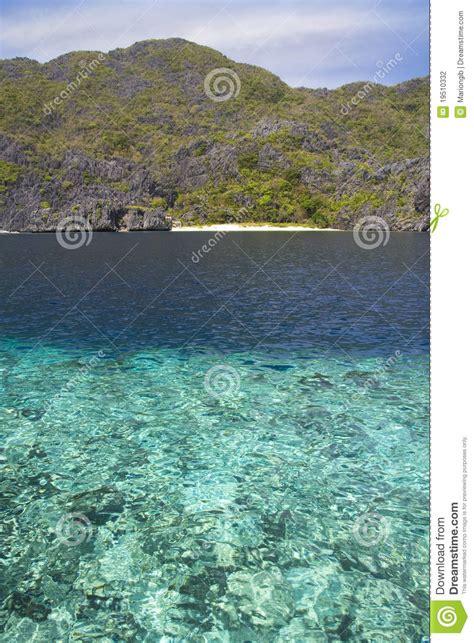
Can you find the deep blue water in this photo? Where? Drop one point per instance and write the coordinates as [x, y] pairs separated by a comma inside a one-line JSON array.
[[286, 291], [240, 443]]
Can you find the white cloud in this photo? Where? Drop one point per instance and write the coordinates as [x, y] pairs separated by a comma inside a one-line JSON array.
[[289, 37]]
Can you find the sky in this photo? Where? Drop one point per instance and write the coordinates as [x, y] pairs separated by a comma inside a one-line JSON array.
[[310, 43]]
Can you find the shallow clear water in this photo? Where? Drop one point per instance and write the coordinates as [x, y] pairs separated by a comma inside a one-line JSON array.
[[236, 465]]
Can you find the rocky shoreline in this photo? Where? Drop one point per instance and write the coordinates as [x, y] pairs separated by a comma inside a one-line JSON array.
[[274, 154], [30, 206]]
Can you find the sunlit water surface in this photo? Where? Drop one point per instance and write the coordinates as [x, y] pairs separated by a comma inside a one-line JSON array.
[[227, 450]]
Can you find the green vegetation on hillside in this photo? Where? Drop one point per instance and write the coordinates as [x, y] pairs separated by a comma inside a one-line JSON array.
[[139, 130]]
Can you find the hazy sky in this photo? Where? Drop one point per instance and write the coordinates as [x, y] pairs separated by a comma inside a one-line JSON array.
[[314, 43]]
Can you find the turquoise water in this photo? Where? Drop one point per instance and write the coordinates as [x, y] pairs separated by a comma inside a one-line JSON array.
[[215, 489]]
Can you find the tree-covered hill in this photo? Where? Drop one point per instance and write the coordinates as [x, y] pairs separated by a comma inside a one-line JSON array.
[[145, 128]]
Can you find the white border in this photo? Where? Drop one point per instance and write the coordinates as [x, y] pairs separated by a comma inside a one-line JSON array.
[[452, 309]]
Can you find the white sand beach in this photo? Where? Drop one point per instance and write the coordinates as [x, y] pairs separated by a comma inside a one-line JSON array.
[[240, 227]]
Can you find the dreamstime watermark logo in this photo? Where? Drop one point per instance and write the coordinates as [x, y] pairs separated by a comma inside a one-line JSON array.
[[73, 232], [87, 68], [208, 246], [200, 549], [222, 84], [447, 616], [384, 365], [214, 240], [371, 529], [222, 381], [384, 69], [371, 232], [74, 529], [84, 371]]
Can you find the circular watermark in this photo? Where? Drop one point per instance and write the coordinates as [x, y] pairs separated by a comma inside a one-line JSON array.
[[370, 529], [200, 549], [73, 232], [371, 232], [222, 84], [74, 529], [446, 616], [222, 381]]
